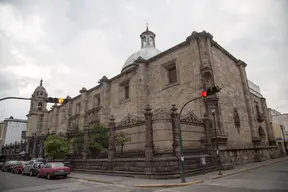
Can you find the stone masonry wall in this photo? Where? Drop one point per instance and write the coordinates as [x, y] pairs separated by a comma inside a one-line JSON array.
[[231, 97]]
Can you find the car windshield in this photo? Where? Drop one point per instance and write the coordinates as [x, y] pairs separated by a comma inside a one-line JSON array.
[[55, 165], [11, 162]]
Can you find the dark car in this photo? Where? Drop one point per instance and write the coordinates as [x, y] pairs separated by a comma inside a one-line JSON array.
[[18, 168], [9, 165], [32, 167]]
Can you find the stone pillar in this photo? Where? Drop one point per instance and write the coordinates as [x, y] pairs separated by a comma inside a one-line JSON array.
[[149, 145], [269, 129], [15, 147], [41, 142], [34, 147], [207, 131], [105, 100], [111, 149], [21, 146], [175, 131], [241, 65], [86, 142], [83, 108]]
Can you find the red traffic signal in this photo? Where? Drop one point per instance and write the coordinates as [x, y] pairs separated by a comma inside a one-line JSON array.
[[204, 93], [211, 91]]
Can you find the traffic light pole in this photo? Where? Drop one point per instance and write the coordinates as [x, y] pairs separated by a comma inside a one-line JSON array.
[[182, 169], [19, 98]]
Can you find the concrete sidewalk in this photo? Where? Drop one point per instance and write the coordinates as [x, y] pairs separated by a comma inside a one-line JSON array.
[[137, 182]]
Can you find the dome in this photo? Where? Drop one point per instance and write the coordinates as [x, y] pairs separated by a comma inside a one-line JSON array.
[[147, 51], [40, 88]]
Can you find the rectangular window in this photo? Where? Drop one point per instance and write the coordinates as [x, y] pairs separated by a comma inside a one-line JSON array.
[[172, 75], [23, 135], [78, 108], [97, 100], [126, 91]]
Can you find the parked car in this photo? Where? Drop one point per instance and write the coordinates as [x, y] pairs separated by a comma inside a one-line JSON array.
[[53, 169], [7, 167], [32, 167], [18, 168]]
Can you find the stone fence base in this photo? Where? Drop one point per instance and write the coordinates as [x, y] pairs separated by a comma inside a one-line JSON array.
[[159, 168]]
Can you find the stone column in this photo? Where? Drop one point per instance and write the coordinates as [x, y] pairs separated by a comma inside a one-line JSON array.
[[21, 146], [83, 108], [86, 142], [207, 131], [269, 129], [241, 65], [34, 147], [175, 131], [15, 147], [111, 149], [41, 142], [149, 145], [105, 100]]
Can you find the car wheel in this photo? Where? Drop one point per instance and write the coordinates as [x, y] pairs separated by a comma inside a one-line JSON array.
[[31, 173], [48, 176], [65, 176]]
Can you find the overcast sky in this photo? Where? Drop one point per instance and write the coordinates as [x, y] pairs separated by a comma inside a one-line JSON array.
[[71, 44]]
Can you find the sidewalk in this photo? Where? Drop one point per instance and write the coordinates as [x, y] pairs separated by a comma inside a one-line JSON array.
[[137, 182]]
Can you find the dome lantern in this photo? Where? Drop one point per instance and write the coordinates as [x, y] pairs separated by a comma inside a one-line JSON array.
[[147, 51]]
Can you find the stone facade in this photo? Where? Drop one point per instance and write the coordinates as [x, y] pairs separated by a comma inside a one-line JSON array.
[[171, 77]]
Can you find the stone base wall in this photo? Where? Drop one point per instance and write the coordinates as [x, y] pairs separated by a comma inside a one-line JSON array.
[[162, 167], [248, 155]]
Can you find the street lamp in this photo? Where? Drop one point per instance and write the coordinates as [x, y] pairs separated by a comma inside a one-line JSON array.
[[213, 110]]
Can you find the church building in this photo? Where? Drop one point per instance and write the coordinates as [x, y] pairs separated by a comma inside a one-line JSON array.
[[161, 82]]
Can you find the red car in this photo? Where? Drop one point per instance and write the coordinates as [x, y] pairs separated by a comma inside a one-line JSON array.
[[53, 169], [18, 168]]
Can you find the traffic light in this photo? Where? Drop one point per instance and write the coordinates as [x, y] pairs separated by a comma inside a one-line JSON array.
[[57, 100], [210, 91]]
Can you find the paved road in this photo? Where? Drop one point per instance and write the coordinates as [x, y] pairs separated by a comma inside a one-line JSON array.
[[272, 178]]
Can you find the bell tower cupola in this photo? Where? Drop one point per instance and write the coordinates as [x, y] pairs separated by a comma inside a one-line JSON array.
[[147, 38]]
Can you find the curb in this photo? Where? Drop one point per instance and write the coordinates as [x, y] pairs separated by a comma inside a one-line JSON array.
[[170, 184], [93, 180], [246, 169]]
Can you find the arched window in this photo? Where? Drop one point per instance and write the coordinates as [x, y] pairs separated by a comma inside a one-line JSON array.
[[40, 105]]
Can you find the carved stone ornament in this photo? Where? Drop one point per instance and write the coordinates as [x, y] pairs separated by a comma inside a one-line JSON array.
[[130, 121], [161, 115], [236, 119], [191, 119]]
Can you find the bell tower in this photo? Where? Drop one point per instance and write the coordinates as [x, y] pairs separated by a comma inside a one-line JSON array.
[[38, 107]]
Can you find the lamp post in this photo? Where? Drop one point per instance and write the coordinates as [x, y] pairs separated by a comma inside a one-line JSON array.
[[284, 139], [213, 110]]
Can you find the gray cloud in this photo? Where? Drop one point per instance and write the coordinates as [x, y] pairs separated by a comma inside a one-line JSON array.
[[71, 44]]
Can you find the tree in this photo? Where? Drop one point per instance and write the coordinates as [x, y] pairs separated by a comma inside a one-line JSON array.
[[121, 139], [98, 139], [56, 146]]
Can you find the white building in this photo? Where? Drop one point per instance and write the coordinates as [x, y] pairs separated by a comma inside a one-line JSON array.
[[13, 130]]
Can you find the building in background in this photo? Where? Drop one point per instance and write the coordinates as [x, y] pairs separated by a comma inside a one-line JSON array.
[[280, 126], [13, 130]]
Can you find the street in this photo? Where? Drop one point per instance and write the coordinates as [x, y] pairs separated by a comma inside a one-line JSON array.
[[271, 178]]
